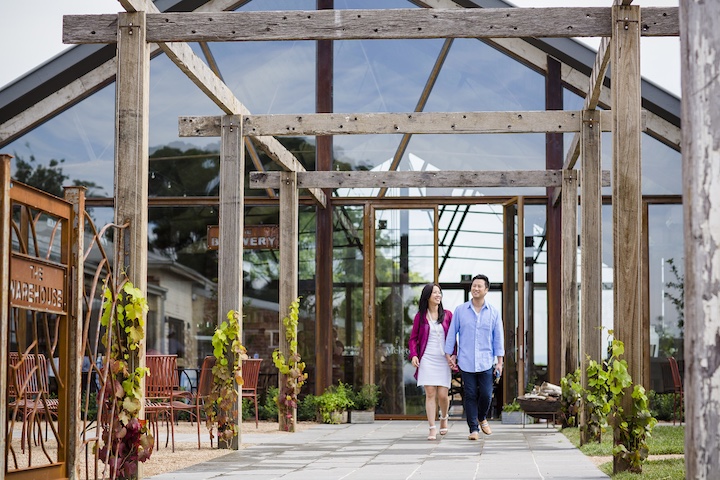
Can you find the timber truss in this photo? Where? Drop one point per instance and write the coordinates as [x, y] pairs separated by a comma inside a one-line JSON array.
[[620, 25]]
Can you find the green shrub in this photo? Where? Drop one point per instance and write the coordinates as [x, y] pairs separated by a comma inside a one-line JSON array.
[[661, 406], [248, 409], [570, 399], [307, 409], [335, 398], [366, 397], [269, 408], [511, 407]]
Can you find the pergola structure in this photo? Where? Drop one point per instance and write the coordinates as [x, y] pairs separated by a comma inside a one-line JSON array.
[[621, 27]]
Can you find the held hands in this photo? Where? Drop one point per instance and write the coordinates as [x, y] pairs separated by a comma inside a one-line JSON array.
[[452, 362]]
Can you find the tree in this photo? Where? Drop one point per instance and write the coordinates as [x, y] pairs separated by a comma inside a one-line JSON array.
[[50, 178]]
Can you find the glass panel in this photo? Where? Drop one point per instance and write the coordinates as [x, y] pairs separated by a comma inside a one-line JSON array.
[[76, 147], [404, 252], [348, 265], [471, 242], [667, 282], [661, 168], [391, 75], [536, 316]]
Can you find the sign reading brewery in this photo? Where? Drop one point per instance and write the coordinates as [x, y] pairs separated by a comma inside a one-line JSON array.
[[255, 237], [37, 285]]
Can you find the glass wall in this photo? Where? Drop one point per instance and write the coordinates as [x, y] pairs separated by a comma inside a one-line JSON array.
[[77, 146], [667, 281]]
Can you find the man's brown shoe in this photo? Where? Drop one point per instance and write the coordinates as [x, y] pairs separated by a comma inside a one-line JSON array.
[[474, 436], [485, 427]]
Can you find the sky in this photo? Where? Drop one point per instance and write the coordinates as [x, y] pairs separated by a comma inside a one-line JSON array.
[[32, 34]]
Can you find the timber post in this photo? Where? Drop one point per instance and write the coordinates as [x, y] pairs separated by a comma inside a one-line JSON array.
[[75, 196], [700, 42], [288, 274], [231, 216], [131, 162]]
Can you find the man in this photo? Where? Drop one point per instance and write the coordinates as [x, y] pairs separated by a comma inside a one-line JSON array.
[[479, 331]]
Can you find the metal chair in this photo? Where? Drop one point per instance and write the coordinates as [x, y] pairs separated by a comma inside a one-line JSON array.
[[29, 390], [250, 375], [677, 390], [197, 405], [159, 388]]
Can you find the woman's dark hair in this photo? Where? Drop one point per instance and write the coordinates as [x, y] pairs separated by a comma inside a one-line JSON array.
[[423, 303]]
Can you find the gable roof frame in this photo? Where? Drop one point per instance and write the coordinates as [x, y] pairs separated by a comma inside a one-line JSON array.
[[82, 70]]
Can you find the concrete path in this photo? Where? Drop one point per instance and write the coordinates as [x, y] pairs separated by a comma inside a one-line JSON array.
[[394, 450]]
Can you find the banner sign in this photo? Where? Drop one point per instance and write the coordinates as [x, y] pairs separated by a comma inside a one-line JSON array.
[[255, 237]]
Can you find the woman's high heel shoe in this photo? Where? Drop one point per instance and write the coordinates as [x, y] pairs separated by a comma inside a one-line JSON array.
[[444, 430], [432, 436]]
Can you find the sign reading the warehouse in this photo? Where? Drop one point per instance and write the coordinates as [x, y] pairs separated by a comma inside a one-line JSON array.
[[36, 285], [255, 237]]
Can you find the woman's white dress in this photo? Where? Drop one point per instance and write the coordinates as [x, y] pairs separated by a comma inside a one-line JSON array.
[[434, 370]]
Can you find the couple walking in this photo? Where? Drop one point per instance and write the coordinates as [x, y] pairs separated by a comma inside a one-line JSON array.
[[469, 340]]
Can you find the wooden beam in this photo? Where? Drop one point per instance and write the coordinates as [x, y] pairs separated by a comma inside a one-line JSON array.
[[514, 366], [700, 43], [5, 248], [436, 179], [597, 76], [627, 191], [288, 268], [131, 145], [568, 284], [371, 24], [231, 215], [591, 251], [368, 295], [416, 122], [559, 121], [76, 250], [520, 272], [132, 98]]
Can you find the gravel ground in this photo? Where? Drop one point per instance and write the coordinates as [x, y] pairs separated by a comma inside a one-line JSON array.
[[186, 453], [162, 460]]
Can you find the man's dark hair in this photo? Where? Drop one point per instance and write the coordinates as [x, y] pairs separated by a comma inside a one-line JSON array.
[[481, 277]]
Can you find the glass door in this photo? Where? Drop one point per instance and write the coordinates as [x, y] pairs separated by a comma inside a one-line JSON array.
[[405, 259]]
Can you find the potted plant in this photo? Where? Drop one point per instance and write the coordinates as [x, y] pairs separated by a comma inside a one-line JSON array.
[[512, 414], [333, 404], [364, 400]]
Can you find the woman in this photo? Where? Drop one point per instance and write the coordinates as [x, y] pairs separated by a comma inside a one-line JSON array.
[[426, 344]]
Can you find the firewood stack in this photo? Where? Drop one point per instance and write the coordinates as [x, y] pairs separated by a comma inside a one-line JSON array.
[[543, 400]]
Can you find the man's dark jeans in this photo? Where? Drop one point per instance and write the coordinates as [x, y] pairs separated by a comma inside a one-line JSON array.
[[477, 395]]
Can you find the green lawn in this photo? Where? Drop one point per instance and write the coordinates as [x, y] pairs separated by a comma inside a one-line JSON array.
[[667, 469], [665, 439]]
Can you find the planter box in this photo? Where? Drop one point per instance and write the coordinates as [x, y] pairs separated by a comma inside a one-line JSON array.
[[362, 416], [515, 418], [335, 417]]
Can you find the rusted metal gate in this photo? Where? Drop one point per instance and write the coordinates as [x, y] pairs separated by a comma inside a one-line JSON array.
[[39, 391], [53, 380]]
